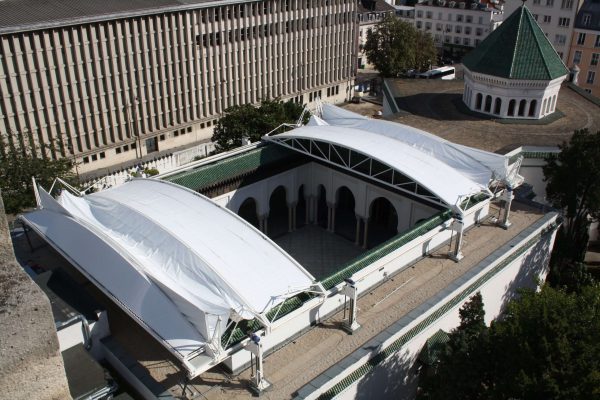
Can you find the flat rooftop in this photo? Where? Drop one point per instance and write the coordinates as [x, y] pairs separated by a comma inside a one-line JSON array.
[[300, 361], [436, 106]]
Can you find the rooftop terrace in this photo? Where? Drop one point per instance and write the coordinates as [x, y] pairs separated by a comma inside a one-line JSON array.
[[294, 365]]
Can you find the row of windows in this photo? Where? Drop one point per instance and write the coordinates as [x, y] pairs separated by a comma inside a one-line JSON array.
[[465, 41], [255, 32], [581, 36], [593, 61], [94, 157], [459, 17], [562, 21]]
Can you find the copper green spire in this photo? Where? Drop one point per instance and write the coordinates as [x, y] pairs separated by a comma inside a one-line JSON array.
[[517, 49]]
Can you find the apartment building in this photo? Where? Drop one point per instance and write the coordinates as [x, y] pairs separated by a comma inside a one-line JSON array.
[[370, 13], [585, 47], [117, 81], [458, 26], [555, 17]]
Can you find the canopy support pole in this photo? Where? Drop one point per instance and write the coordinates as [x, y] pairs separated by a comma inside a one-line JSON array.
[[258, 383], [350, 292], [508, 198], [458, 227]]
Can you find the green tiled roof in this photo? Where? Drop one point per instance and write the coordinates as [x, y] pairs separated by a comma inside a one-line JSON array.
[[517, 49], [232, 167]]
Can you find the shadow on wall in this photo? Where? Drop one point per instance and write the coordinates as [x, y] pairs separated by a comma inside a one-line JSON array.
[[395, 378], [534, 265]]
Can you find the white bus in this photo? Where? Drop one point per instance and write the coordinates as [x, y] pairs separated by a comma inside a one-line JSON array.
[[445, 73]]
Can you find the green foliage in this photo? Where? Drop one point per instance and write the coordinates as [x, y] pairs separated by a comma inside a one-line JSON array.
[[249, 121], [151, 171], [395, 46], [573, 185], [545, 347], [18, 164]]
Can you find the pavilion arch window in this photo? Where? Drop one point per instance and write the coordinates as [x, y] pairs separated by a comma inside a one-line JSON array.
[[543, 110], [498, 106], [478, 101], [522, 106], [511, 107], [488, 103], [532, 107]]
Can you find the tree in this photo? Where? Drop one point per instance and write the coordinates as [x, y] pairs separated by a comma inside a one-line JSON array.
[[251, 122], [573, 185], [544, 347], [395, 46], [19, 163]]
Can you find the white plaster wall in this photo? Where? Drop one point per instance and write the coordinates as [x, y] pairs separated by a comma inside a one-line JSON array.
[[312, 175], [396, 377]]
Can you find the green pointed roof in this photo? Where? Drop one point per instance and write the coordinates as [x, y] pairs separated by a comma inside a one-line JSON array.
[[517, 49]]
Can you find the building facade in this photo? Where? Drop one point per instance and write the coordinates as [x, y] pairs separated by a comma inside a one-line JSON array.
[[585, 48], [120, 84], [370, 13], [458, 26], [555, 17]]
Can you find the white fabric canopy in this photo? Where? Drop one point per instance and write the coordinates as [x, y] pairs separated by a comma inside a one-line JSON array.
[[198, 260], [478, 165]]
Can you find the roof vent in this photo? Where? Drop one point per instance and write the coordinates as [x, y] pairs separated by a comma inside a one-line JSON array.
[[474, 6], [461, 5], [452, 4]]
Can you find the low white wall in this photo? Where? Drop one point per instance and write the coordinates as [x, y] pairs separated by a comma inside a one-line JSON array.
[[311, 312], [73, 334], [396, 377]]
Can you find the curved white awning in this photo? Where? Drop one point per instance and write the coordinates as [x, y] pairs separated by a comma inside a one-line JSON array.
[[202, 263], [416, 162]]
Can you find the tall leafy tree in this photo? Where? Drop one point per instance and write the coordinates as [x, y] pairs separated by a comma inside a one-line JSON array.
[[252, 122], [19, 162], [395, 46], [544, 347], [573, 185]]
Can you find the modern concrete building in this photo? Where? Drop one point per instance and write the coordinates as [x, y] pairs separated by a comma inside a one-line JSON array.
[[555, 17], [119, 81], [458, 26], [584, 54], [370, 13], [515, 72]]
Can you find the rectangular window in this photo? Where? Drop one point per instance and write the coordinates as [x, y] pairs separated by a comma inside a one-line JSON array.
[[466, 41], [535, 16], [459, 18], [536, 1], [133, 146], [581, 38], [560, 39], [86, 160], [467, 30], [419, 14], [549, 3], [564, 21], [587, 19], [591, 76], [103, 155], [597, 44], [118, 150], [547, 19], [595, 58], [429, 14], [458, 29], [577, 57], [95, 157], [161, 137], [469, 19], [126, 148]]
